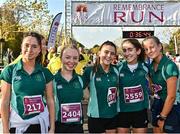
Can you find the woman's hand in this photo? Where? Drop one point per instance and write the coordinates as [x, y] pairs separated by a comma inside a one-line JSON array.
[[161, 124]]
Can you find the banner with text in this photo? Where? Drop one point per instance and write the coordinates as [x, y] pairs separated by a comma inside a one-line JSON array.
[[53, 30], [129, 13]]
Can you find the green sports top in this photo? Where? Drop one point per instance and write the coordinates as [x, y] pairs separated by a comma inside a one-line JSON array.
[[27, 89], [103, 101], [68, 94], [133, 88], [165, 70]]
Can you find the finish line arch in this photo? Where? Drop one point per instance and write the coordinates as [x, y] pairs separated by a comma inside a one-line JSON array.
[[121, 14]]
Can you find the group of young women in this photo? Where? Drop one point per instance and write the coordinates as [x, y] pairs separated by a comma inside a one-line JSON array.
[[33, 100]]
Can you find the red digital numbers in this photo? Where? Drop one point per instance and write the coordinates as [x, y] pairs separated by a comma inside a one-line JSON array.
[[137, 34]]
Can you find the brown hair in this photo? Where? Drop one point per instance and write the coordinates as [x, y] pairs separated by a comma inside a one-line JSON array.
[[138, 46], [106, 43], [38, 37]]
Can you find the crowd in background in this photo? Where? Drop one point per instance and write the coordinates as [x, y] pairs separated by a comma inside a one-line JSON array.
[[44, 88]]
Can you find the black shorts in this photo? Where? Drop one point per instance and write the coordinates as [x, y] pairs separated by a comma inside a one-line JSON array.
[[68, 128], [138, 119], [100, 125], [172, 122], [36, 128]]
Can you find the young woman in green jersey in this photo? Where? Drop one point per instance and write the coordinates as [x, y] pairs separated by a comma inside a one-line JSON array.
[[164, 74], [43, 51], [24, 86], [133, 91], [102, 79], [68, 87]]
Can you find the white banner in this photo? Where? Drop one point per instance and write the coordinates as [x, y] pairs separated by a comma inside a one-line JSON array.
[[129, 13], [53, 30]]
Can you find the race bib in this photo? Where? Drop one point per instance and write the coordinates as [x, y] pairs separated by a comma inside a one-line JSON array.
[[133, 94], [33, 104], [71, 112], [112, 95], [156, 88]]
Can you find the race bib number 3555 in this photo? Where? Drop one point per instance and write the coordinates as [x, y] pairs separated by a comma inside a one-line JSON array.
[[33, 104], [133, 94], [71, 112]]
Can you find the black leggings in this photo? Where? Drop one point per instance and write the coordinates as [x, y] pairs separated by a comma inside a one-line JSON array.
[[36, 128], [68, 128]]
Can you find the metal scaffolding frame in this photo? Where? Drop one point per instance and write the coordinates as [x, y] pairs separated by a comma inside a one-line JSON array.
[[68, 30], [68, 13], [68, 26]]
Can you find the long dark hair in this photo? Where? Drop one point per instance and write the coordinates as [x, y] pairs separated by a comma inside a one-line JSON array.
[[138, 46], [106, 43], [38, 37]]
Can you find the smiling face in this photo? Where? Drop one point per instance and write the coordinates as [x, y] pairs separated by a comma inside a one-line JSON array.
[[70, 59], [30, 48], [152, 48], [106, 54], [130, 53]]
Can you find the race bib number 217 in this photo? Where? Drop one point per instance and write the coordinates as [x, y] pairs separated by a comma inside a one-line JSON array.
[[33, 104]]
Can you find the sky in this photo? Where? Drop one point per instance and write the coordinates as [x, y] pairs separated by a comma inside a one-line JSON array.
[[90, 36]]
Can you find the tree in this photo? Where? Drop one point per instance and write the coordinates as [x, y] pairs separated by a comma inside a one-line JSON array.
[[18, 16], [175, 38], [27, 15]]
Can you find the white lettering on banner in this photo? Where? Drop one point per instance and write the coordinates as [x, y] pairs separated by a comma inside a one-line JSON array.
[[126, 13], [53, 34], [53, 30]]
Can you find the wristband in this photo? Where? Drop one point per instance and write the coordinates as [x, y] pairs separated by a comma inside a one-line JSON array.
[[161, 118]]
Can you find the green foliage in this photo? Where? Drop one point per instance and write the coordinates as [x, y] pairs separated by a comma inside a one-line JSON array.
[[15, 44], [30, 15], [171, 46], [18, 16]]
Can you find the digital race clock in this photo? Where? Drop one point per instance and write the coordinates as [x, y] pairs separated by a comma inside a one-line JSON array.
[[137, 34]]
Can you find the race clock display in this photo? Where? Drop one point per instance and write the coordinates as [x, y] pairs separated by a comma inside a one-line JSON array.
[[137, 34]]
